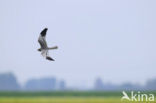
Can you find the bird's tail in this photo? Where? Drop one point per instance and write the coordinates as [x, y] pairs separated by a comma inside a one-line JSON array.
[[55, 47]]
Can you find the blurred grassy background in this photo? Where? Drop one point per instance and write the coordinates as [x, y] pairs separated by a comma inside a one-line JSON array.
[[64, 97]]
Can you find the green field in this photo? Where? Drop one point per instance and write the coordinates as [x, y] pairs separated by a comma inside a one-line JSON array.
[[60, 100], [63, 97]]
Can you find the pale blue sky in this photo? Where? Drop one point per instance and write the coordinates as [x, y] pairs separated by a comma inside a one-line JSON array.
[[111, 39]]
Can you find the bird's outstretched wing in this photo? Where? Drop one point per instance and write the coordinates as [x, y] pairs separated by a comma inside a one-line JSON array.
[[49, 58], [43, 32], [42, 40]]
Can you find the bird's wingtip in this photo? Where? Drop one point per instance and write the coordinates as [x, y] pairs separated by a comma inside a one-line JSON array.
[[49, 58]]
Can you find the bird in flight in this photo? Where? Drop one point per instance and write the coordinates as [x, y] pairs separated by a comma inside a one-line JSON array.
[[44, 48]]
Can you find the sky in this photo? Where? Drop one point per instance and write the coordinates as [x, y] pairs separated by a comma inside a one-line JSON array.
[[111, 39]]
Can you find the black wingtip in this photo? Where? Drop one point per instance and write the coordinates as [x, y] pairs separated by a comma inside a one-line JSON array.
[[44, 31], [49, 58]]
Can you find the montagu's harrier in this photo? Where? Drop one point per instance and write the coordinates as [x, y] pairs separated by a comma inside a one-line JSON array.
[[44, 48]]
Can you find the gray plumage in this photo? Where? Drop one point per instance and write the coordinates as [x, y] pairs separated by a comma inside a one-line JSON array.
[[44, 48]]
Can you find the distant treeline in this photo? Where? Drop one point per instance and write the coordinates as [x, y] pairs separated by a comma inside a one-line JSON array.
[[8, 82], [100, 85]]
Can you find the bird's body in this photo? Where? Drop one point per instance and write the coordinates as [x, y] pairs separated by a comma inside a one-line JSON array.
[[44, 48]]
